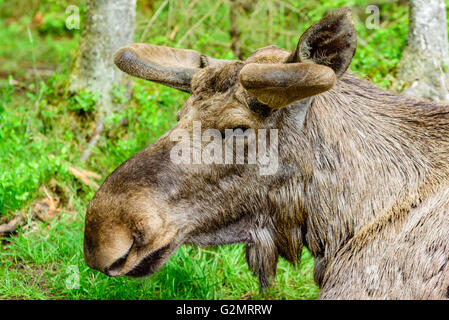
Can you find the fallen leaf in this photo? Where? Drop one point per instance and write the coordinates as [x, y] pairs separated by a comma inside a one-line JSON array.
[[52, 202], [38, 19]]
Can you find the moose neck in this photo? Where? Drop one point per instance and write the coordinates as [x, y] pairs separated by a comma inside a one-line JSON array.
[[365, 157]]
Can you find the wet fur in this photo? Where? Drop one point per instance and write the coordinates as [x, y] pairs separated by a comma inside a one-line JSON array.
[[362, 183], [370, 191]]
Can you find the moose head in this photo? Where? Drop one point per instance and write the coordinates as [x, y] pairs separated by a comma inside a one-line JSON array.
[[152, 203]]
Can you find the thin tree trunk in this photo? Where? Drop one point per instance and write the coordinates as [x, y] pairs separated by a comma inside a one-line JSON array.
[[234, 31], [109, 25], [423, 67]]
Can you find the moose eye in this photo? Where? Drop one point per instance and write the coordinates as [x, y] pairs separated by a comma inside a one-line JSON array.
[[242, 128]]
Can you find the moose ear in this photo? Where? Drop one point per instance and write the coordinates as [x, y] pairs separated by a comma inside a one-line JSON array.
[[331, 41], [169, 66]]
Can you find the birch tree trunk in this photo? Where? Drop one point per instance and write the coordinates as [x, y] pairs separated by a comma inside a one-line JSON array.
[[109, 25], [423, 66]]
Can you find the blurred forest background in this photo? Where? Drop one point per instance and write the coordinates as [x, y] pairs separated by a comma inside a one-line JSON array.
[[45, 185]]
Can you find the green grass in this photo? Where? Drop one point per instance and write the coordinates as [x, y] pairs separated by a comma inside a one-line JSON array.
[[43, 132], [43, 264]]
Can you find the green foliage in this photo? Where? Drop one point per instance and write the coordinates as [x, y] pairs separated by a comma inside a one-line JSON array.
[[83, 102], [53, 23]]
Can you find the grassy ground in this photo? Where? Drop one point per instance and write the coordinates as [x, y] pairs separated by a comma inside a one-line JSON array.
[[43, 132]]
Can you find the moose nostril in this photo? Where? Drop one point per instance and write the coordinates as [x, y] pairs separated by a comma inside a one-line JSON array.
[[114, 269]]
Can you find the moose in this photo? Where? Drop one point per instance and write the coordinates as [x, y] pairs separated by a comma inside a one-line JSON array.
[[362, 179]]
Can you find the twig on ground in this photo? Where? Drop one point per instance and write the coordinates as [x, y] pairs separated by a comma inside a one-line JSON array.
[[270, 10], [172, 35], [291, 7], [153, 18], [169, 19], [37, 79], [84, 175], [189, 10], [11, 226], [93, 141], [214, 9], [234, 31]]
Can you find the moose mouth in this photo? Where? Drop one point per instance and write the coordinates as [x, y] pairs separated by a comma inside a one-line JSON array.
[[151, 263], [236, 232]]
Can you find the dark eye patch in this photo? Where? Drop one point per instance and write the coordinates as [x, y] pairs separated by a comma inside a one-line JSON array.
[[243, 128], [259, 107]]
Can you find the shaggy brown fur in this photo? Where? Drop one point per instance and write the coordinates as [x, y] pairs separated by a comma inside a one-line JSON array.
[[374, 168], [362, 180]]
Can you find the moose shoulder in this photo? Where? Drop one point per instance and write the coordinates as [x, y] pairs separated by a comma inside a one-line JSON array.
[[362, 175]]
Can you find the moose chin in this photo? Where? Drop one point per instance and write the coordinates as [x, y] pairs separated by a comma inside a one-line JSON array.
[[362, 175]]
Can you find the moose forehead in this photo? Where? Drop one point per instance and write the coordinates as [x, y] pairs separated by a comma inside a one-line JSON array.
[[217, 90], [217, 79], [221, 101]]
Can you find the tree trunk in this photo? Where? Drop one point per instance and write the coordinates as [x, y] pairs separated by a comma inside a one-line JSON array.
[[109, 25], [234, 31], [424, 63]]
